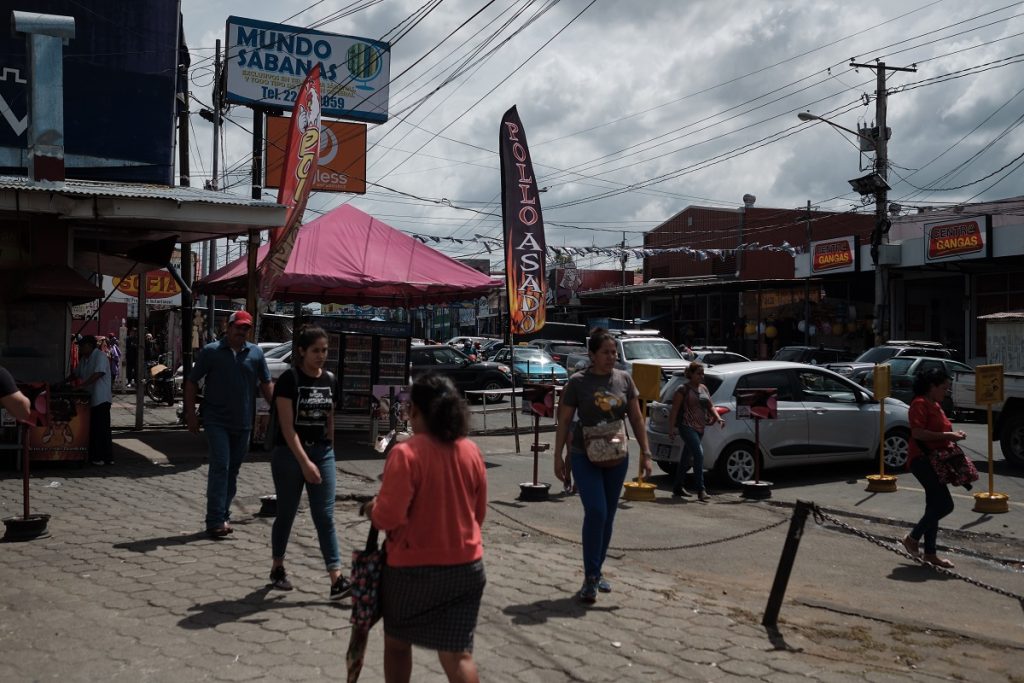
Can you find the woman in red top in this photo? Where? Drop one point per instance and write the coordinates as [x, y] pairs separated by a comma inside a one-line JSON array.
[[929, 427], [431, 504]]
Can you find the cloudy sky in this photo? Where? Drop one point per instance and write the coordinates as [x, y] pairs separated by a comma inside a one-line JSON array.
[[637, 109]]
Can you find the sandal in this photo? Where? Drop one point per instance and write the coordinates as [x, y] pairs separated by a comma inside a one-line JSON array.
[[910, 545], [939, 561]]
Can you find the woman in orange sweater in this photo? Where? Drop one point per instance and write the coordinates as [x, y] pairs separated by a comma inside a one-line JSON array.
[[431, 503]]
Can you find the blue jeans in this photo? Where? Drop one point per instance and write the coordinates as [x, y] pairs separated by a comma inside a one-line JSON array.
[[599, 489], [288, 484], [228, 448], [691, 444], [937, 503]]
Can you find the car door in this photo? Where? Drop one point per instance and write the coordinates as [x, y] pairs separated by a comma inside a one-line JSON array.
[[840, 426], [454, 365], [783, 439]]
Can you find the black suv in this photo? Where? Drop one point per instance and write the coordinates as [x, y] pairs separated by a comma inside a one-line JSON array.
[[858, 369], [813, 355], [468, 375]]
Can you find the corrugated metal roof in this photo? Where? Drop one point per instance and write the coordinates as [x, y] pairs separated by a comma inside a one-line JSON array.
[[95, 188]]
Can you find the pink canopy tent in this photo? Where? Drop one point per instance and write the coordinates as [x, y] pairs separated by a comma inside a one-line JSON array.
[[347, 256]]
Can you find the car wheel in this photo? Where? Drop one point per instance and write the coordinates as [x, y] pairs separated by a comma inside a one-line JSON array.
[[736, 464], [667, 467], [492, 385], [897, 449], [1012, 441]]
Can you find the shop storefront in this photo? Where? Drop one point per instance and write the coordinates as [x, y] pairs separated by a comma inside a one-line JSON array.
[[948, 267]]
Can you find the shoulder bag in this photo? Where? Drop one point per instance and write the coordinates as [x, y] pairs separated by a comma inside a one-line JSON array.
[[951, 465], [605, 444]]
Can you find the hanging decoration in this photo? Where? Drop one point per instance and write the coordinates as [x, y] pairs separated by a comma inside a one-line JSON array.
[[494, 243]]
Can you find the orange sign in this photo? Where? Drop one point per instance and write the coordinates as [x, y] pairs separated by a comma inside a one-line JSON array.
[[833, 255], [955, 239], [342, 165], [159, 285]]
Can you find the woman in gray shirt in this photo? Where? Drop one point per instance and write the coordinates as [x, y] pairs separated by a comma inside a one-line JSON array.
[[601, 397]]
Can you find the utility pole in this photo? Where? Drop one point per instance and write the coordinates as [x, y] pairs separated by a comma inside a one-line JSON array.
[[622, 260], [211, 327], [880, 235], [254, 234], [807, 281]]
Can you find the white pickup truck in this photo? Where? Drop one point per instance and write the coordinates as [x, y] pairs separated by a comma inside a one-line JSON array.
[[1008, 416]]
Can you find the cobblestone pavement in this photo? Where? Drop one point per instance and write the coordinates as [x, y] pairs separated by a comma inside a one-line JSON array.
[[127, 588]]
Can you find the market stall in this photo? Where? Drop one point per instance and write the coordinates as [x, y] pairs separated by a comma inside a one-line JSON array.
[[349, 257]]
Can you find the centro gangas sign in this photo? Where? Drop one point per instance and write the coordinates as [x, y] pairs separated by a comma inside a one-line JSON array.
[[834, 256], [961, 240]]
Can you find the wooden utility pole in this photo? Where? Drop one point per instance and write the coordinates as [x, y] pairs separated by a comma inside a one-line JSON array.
[[880, 235], [211, 325]]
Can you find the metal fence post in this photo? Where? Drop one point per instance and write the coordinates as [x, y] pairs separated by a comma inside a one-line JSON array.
[[796, 531]]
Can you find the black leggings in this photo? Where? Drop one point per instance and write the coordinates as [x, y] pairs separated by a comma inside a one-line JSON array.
[[937, 503]]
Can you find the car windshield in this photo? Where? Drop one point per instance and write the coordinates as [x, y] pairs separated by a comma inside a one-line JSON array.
[[566, 349], [657, 349], [523, 355], [712, 382], [279, 351], [900, 366], [792, 355], [879, 354]]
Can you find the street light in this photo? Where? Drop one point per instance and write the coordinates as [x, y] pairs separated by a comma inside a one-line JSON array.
[[875, 183], [808, 116]]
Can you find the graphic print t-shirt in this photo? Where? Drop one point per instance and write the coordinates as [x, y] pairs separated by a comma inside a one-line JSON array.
[[312, 402], [598, 399]]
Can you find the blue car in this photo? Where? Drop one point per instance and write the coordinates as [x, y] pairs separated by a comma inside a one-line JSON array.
[[532, 365]]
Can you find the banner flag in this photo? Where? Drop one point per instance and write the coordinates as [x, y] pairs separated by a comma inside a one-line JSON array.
[[301, 160], [524, 229]]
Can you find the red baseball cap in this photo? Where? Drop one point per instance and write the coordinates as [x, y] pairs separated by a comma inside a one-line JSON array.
[[240, 318]]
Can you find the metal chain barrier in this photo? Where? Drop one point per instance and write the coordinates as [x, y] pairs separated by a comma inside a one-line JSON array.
[[688, 546], [821, 516]]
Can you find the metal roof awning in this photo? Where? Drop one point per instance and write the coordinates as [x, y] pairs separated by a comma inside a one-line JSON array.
[[133, 213]]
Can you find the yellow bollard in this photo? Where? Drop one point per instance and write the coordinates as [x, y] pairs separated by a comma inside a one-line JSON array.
[[638, 489], [990, 502], [881, 482]]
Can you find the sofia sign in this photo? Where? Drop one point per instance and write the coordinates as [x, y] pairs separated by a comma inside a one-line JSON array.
[[159, 285]]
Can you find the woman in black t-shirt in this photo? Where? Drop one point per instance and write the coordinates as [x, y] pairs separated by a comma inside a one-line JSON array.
[[304, 457]]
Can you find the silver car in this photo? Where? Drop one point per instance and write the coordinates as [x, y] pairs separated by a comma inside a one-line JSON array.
[[822, 417]]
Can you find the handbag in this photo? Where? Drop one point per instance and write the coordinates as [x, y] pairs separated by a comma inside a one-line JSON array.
[[951, 465], [605, 444], [367, 568]]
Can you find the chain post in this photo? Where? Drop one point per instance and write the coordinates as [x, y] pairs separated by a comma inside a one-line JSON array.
[[796, 532]]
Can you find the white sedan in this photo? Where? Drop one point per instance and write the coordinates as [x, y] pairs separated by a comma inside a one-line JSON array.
[[822, 417]]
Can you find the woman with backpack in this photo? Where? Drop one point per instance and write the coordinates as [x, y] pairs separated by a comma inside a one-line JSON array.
[[692, 410]]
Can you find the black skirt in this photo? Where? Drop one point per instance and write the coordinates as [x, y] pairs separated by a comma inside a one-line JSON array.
[[434, 607]]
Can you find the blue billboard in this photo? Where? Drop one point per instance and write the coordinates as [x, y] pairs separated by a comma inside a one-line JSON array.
[[120, 82]]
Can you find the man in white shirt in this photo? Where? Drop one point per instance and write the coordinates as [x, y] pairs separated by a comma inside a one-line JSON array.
[[94, 371]]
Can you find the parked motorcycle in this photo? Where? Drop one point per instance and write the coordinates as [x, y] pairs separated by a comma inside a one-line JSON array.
[[160, 382]]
